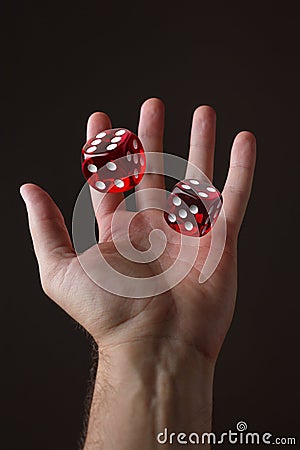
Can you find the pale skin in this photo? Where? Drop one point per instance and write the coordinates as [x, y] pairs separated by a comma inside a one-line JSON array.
[[156, 355]]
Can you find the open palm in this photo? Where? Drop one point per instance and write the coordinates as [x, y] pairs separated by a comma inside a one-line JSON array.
[[198, 314]]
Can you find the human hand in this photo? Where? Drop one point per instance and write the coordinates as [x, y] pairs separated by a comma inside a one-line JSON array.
[[189, 321], [190, 311]]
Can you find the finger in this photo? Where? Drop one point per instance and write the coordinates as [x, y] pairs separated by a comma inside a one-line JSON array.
[[202, 142], [97, 122], [238, 184], [150, 131], [51, 240]]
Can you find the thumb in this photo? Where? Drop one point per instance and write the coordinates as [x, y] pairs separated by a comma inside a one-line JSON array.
[[51, 240]]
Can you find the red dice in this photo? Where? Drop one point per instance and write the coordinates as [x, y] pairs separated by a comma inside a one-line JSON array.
[[193, 207], [113, 160]]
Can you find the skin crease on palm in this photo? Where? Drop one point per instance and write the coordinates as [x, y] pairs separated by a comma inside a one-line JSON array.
[[197, 314]]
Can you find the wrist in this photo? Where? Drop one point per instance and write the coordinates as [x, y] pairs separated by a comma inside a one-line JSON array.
[[155, 385]]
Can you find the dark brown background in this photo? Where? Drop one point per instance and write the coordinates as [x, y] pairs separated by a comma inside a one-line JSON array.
[[62, 64]]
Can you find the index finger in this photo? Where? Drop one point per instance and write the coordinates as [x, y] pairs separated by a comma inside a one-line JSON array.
[[97, 122]]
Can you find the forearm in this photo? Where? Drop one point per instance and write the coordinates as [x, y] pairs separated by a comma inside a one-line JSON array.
[[142, 388]]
